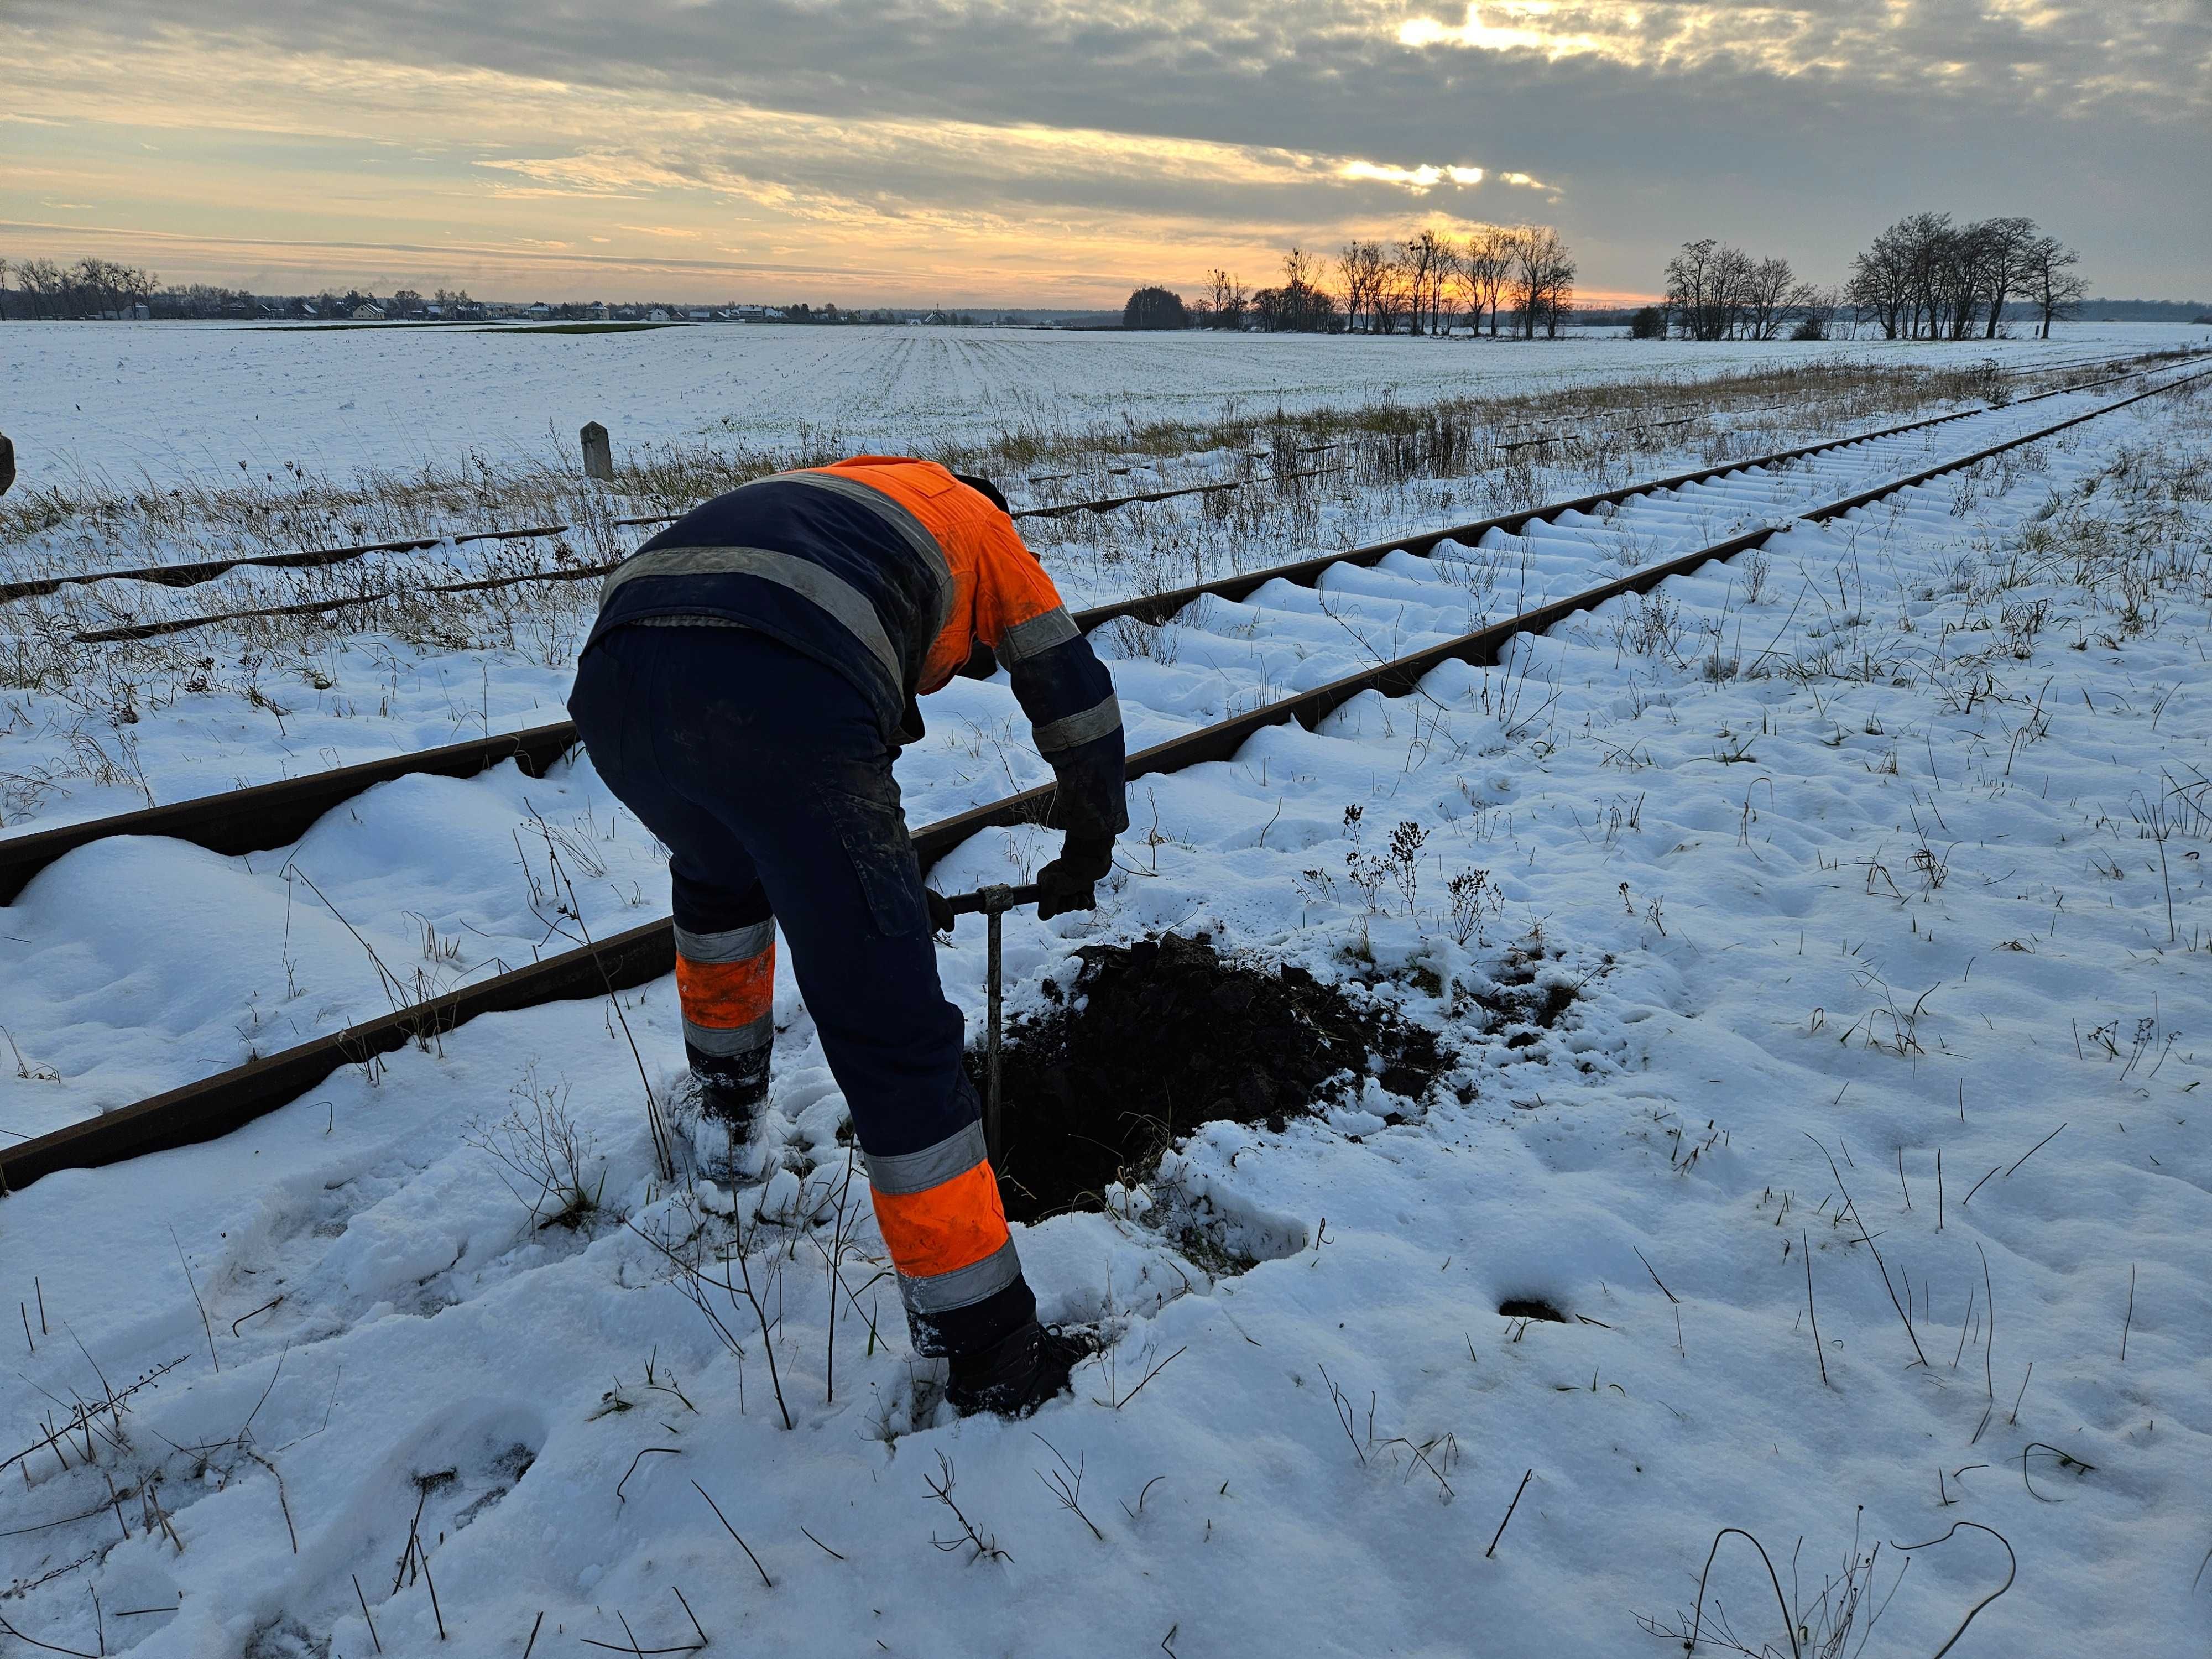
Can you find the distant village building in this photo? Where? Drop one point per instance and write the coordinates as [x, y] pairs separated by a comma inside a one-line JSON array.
[[656, 315], [368, 313]]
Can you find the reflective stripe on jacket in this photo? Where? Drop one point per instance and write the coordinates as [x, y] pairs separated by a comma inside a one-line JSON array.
[[891, 571]]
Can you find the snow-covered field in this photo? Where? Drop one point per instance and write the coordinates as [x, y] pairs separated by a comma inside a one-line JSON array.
[[1972, 709], [166, 401]]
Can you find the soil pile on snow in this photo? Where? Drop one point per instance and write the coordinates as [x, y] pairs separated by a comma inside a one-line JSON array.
[[1161, 1036]]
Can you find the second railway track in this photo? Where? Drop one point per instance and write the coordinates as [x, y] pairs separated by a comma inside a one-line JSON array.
[[1383, 615]]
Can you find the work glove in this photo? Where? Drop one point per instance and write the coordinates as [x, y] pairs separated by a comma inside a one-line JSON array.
[[1066, 884], [941, 910]]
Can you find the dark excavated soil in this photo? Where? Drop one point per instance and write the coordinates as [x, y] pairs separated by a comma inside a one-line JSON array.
[[1530, 1307], [1160, 1036]]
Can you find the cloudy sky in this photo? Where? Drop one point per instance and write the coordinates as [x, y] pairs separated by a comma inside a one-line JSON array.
[[1039, 151]]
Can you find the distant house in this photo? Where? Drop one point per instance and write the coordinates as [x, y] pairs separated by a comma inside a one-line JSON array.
[[368, 313], [539, 308], [433, 310], [656, 315]]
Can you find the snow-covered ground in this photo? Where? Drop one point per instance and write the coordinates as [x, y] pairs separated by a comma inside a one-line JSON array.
[[167, 402], [1973, 709]]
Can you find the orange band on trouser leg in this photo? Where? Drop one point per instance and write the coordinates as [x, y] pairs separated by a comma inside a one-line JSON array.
[[726, 996], [726, 999], [948, 1241], [725, 982]]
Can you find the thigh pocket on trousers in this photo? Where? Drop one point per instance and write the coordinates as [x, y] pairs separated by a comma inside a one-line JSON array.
[[873, 834]]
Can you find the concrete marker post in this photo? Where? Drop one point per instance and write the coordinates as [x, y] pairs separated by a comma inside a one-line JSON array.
[[599, 453]]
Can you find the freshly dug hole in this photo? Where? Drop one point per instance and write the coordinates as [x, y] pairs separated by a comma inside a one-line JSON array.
[[1530, 1307], [1160, 1036]]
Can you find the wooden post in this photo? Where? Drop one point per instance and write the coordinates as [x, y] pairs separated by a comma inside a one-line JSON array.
[[599, 453], [7, 463]]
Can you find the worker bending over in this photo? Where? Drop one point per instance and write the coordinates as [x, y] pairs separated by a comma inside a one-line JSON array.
[[750, 678]]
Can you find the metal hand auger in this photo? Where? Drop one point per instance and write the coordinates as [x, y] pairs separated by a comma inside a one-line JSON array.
[[992, 903]]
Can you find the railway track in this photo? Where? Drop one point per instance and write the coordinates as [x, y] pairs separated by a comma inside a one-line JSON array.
[[271, 815], [214, 1105]]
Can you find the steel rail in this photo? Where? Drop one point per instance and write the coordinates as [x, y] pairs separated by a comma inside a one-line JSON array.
[[211, 1107], [195, 572], [269, 814]]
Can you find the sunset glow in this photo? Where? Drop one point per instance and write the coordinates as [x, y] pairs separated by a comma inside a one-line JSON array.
[[529, 157]]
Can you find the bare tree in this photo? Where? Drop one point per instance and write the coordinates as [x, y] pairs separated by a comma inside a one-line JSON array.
[[2050, 281], [1881, 282], [1304, 305], [1769, 287], [1559, 272], [44, 282], [1361, 265], [1929, 278], [1393, 293], [1427, 260], [1543, 279], [1484, 266], [102, 284], [2004, 245], [1226, 301], [1716, 292], [1816, 308], [1704, 289]]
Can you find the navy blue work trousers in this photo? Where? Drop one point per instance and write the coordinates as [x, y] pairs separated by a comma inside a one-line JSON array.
[[768, 775]]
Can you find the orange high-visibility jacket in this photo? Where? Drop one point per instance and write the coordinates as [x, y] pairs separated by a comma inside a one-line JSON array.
[[893, 572]]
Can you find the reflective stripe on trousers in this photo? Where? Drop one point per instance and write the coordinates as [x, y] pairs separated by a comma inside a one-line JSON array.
[[940, 1214], [725, 982]]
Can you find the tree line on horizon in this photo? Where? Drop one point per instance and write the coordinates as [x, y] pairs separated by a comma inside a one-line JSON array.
[[94, 289], [1420, 285], [1927, 276], [100, 289]]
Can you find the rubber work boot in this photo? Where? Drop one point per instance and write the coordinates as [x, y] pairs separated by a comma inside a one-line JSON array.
[[1016, 1375]]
